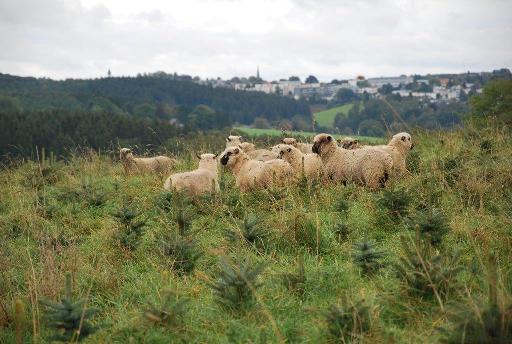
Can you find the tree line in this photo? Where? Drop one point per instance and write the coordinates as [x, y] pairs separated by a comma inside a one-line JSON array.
[[146, 96]]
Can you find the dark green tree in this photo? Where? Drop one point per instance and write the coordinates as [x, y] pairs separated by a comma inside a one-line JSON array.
[[69, 319]]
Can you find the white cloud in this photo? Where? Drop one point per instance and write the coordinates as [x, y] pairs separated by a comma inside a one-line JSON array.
[[328, 38]]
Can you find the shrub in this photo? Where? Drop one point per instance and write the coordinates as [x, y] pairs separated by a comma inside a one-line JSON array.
[[432, 225], [69, 319], [425, 272], [367, 256], [395, 202], [348, 323], [131, 230], [237, 282], [183, 252], [250, 230], [482, 321], [341, 231], [170, 310]]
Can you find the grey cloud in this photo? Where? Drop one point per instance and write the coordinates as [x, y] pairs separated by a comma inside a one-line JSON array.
[[331, 39]]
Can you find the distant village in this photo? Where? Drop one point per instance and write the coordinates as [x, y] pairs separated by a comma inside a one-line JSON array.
[[430, 88]]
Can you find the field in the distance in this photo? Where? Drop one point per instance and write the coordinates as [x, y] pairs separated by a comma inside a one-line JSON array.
[[253, 132], [414, 263], [326, 118]]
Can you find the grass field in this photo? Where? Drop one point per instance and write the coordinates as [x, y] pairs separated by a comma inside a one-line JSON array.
[[427, 260], [326, 118], [252, 132]]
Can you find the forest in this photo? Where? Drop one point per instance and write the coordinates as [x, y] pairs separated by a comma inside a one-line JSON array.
[[144, 96]]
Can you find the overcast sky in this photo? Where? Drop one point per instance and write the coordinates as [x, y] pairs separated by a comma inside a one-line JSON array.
[[210, 38]]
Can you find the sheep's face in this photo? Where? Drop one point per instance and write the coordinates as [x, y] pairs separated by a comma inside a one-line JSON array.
[[403, 140], [289, 141], [233, 140], [230, 156], [207, 159], [125, 153], [323, 143], [349, 143], [285, 151]]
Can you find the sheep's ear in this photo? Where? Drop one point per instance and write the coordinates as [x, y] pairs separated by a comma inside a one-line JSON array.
[[216, 155], [403, 138], [237, 150], [329, 138], [198, 155], [289, 149], [228, 139]]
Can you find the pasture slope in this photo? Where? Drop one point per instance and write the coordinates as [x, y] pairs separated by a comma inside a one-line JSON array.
[[326, 118], [305, 136], [413, 263]]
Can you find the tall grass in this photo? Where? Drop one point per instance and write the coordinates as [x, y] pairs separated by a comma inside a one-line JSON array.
[[56, 216]]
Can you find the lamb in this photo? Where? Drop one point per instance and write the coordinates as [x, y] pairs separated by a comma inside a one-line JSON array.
[[398, 147], [308, 164], [253, 174], [132, 165], [303, 147], [203, 180], [370, 167], [233, 140], [349, 143]]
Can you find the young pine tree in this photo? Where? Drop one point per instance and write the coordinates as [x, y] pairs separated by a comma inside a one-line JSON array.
[[237, 282], [69, 319], [367, 256]]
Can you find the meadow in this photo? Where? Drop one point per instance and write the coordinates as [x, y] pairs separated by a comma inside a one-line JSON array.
[[306, 136], [326, 118], [426, 260]]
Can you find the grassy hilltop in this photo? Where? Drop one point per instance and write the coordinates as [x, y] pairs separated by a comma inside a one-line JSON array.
[[334, 264]]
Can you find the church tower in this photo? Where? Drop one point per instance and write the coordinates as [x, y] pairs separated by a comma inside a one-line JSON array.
[[258, 72]]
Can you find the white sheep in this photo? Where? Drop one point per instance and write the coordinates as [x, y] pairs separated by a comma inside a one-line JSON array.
[[305, 148], [398, 147], [309, 165], [131, 164], [233, 140], [252, 174], [257, 154], [349, 143], [247, 147], [201, 181], [262, 155], [370, 167]]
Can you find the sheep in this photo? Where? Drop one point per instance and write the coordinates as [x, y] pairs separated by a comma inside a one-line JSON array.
[[370, 167], [349, 143], [398, 147], [252, 174], [303, 147], [262, 155], [131, 164], [247, 147], [233, 140], [309, 165], [201, 181]]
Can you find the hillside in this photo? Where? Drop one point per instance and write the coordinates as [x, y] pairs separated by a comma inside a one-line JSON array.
[[144, 96], [326, 118], [338, 261]]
